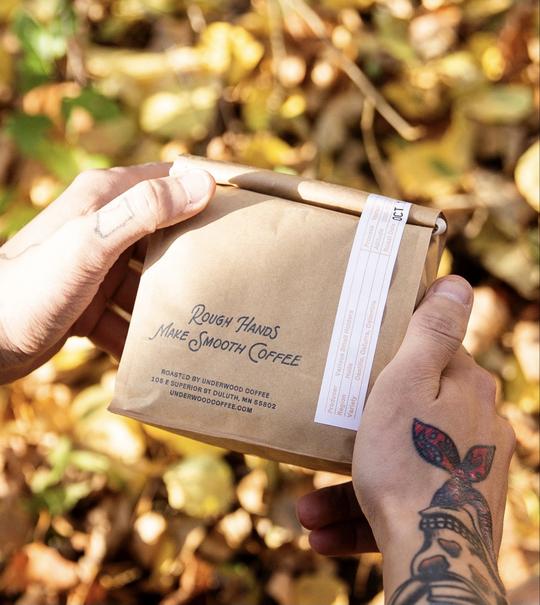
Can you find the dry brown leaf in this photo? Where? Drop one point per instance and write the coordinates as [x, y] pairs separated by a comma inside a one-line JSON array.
[[251, 492], [526, 346], [320, 589], [16, 524], [47, 100], [39, 564], [489, 317]]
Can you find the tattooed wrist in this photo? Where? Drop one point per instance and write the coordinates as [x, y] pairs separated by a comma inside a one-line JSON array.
[[456, 563]]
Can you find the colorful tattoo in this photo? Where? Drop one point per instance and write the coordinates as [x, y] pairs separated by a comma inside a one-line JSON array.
[[456, 564]]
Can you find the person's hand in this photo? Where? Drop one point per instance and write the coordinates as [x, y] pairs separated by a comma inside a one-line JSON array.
[[433, 380], [61, 272]]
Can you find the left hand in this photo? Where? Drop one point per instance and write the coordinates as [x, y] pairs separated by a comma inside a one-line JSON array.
[[450, 389], [60, 274]]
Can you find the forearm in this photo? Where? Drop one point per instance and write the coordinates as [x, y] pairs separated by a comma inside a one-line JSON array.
[[438, 544], [440, 559]]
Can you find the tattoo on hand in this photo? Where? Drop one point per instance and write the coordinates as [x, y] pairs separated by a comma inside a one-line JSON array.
[[4, 256], [112, 217], [456, 563]]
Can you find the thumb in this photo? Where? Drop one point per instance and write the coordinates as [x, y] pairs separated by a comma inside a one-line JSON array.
[[146, 207], [437, 326], [96, 241], [77, 257]]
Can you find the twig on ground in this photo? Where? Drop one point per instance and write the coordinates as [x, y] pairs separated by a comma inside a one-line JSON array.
[[382, 172], [356, 75]]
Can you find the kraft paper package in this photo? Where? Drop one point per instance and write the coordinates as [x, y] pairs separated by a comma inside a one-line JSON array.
[[234, 316]]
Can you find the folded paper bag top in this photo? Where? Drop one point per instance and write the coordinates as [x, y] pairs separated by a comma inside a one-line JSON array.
[[252, 316]]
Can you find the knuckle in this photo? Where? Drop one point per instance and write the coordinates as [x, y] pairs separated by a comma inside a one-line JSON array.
[[89, 256], [91, 186], [443, 327], [486, 382], [90, 178], [84, 254], [146, 199]]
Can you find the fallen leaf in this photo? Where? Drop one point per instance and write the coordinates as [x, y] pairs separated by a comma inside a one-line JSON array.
[[526, 345], [499, 104], [39, 564], [434, 168], [182, 113], [251, 492], [489, 318], [99, 429], [182, 445], [16, 524], [202, 486], [236, 527], [320, 589], [527, 175]]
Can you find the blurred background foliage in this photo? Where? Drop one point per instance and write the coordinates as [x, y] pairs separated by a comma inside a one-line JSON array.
[[434, 101]]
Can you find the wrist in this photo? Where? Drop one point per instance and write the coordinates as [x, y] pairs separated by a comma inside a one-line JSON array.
[[392, 521], [399, 539]]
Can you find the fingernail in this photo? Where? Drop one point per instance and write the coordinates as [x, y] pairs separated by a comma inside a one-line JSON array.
[[197, 184], [456, 289]]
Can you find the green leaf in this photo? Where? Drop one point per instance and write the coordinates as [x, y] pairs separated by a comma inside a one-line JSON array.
[[31, 135], [27, 131], [15, 219], [62, 498], [6, 197], [100, 107], [444, 168], [58, 457], [42, 45], [393, 37], [91, 462], [500, 104], [67, 162]]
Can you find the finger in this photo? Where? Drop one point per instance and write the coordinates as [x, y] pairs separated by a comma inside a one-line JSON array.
[[341, 539], [437, 327], [91, 315], [88, 192], [141, 247], [110, 333], [93, 189], [126, 291], [328, 505]]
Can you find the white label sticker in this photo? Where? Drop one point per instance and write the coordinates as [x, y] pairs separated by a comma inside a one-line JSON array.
[[360, 311]]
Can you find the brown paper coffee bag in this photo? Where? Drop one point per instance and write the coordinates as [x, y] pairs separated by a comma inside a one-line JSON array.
[[233, 319]]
